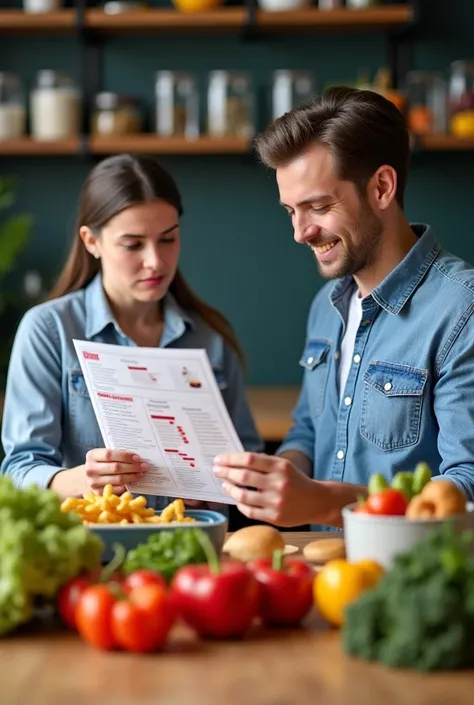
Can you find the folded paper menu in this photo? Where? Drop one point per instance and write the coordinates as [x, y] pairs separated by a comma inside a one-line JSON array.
[[164, 405]]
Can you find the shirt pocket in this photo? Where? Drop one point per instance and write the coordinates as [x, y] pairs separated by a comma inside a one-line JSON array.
[[83, 427], [392, 404], [315, 361]]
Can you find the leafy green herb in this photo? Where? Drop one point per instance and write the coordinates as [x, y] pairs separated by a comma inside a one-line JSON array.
[[166, 552]]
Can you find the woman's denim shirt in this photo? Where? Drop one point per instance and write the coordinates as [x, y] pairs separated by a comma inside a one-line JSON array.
[[48, 421]]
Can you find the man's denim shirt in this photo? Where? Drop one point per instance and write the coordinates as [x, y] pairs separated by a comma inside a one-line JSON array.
[[409, 396], [49, 422]]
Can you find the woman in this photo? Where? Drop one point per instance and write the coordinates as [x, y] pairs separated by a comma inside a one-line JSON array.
[[121, 285]]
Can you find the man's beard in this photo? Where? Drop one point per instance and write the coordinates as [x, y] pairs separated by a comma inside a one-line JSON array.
[[367, 233]]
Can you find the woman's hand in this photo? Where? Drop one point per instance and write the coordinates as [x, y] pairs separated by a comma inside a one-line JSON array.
[[118, 468]]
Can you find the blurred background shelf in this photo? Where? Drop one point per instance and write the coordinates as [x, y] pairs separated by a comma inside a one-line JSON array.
[[17, 21], [226, 18], [155, 20], [383, 18], [26, 146], [151, 144], [446, 143]]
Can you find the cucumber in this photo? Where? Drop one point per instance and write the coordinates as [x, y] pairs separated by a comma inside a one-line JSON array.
[[421, 477], [377, 483], [403, 482]]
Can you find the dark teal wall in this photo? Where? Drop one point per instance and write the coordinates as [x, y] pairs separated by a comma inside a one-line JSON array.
[[238, 247]]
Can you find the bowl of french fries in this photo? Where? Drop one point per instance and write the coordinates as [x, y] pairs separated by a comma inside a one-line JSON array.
[[129, 521]]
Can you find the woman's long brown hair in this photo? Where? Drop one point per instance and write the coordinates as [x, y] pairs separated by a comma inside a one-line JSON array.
[[113, 185]]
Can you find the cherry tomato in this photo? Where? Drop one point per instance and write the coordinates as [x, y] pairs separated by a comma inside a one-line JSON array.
[[142, 577], [387, 502], [362, 509], [93, 616], [142, 623], [69, 597]]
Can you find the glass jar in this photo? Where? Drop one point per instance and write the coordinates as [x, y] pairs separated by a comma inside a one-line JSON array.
[[55, 107], [40, 6], [461, 99], [289, 89], [12, 107], [230, 105], [177, 105], [329, 4], [115, 115], [427, 95], [360, 4]]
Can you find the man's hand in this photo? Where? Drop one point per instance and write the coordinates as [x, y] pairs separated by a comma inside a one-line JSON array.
[[279, 493]]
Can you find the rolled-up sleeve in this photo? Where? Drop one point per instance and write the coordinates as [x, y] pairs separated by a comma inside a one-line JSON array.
[[454, 410], [236, 401], [32, 416]]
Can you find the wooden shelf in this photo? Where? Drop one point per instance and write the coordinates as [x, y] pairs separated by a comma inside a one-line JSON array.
[[152, 144], [17, 21], [312, 19], [163, 19], [221, 20], [272, 408], [446, 143], [28, 147]]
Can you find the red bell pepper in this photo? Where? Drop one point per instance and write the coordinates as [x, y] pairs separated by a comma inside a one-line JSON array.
[[286, 589], [216, 600]]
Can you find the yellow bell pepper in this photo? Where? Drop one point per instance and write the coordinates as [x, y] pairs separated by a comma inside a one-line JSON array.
[[339, 583]]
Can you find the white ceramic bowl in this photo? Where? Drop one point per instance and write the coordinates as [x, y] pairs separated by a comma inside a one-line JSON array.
[[381, 538]]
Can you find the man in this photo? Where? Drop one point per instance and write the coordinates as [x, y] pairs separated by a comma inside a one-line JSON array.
[[389, 353]]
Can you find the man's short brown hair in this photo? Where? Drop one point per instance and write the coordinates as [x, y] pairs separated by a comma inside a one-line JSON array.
[[362, 130]]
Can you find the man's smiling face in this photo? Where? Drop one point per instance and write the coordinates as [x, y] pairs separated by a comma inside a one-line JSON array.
[[329, 214]]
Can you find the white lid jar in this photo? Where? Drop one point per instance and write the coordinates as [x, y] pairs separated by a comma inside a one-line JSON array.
[[177, 105], [290, 89], [55, 107], [230, 105], [12, 107]]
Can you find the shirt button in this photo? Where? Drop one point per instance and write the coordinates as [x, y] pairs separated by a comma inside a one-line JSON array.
[[310, 360], [347, 401], [340, 454], [357, 359], [387, 386]]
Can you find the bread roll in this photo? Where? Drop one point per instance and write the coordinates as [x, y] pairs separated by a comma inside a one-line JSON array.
[[254, 542], [323, 550]]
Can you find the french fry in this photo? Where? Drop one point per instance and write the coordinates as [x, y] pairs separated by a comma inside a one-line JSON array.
[[110, 508]]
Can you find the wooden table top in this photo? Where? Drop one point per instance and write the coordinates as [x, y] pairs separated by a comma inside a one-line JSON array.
[[298, 667], [271, 408]]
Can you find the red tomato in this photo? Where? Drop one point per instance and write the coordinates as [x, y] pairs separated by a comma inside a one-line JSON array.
[[142, 577], [391, 502], [142, 623], [362, 509], [93, 616], [139, 620], [69, 597]]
